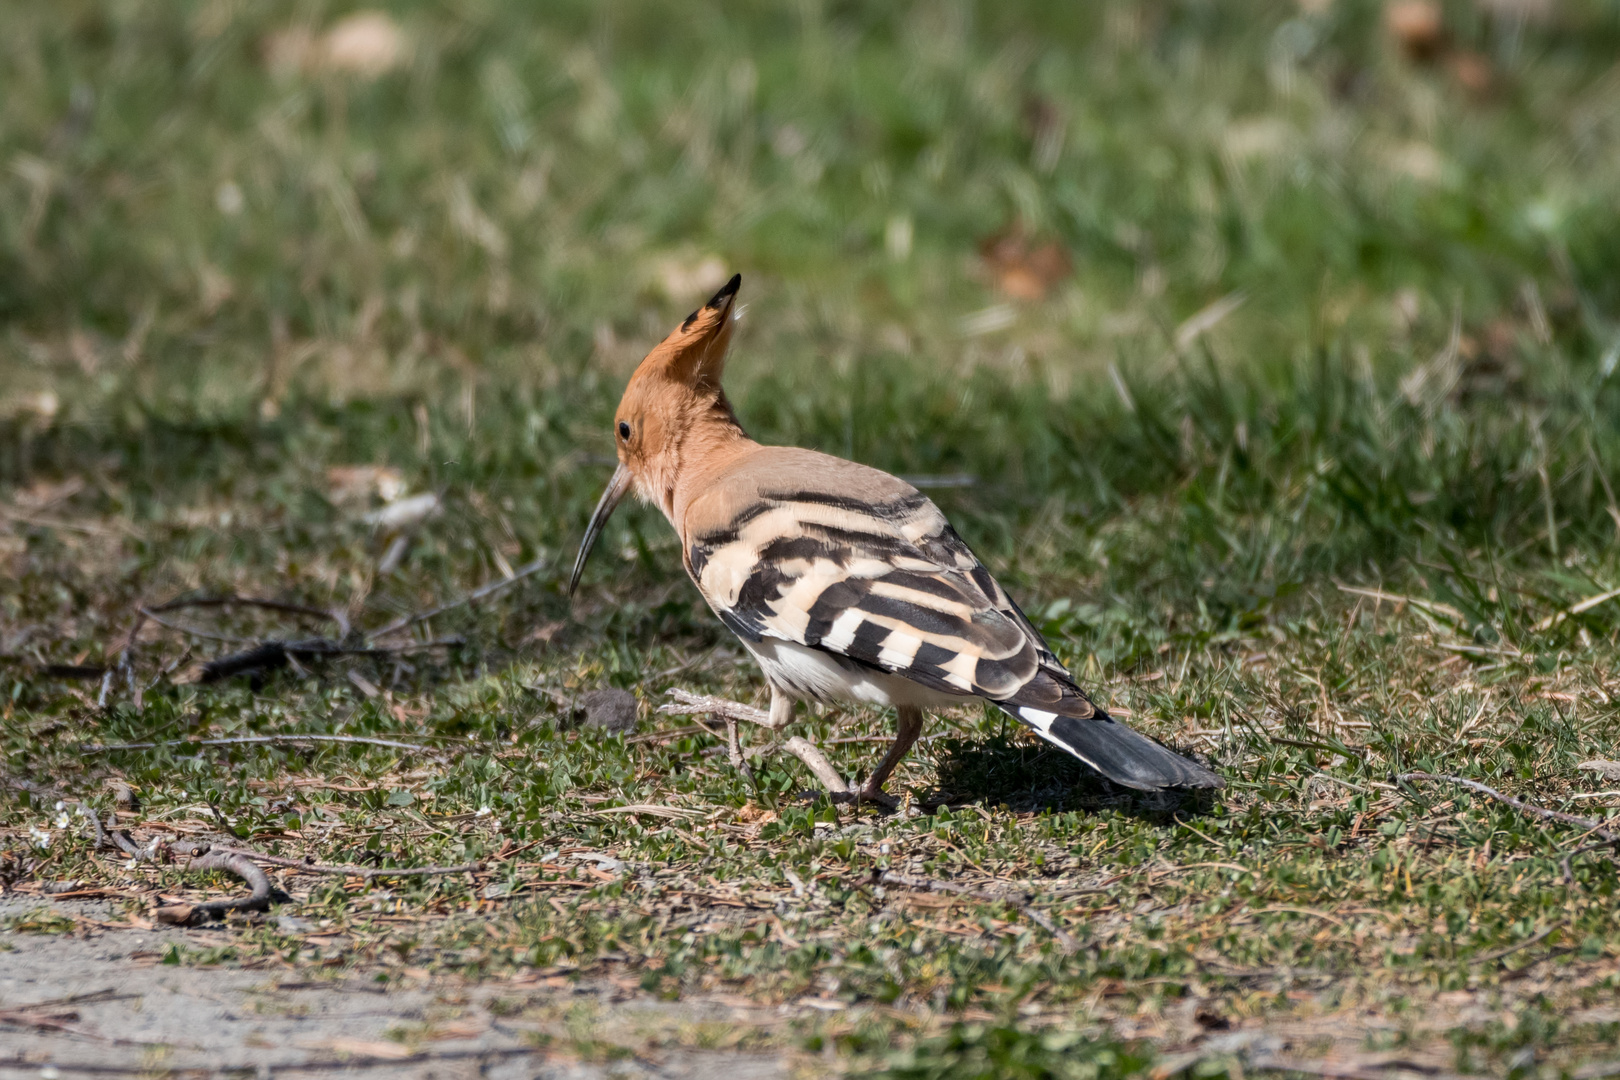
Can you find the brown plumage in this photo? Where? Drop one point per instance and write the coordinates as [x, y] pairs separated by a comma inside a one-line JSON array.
[[844, 582]]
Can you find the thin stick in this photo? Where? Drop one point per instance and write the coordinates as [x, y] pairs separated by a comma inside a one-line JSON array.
[[333, 615], [250, 740], [1445, 611], [1585, 605], [817, 763], [125, 844], [1518, 804], [1327, 1069], [205, 857], [673, 733], [271, 655], [686, 704], [30, 1016], [354, 871], [347, 1062], [192, 631], [1564, 863], [1064, 939], [1497, 954], [473, 597]]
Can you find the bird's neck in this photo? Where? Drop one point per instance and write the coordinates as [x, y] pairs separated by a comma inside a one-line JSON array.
[[710, 441]]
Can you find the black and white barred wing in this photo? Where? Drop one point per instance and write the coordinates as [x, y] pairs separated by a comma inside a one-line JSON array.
[[886, 583], [889, 584]]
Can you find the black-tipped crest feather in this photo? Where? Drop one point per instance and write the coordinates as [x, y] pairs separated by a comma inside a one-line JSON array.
[[727, 291]]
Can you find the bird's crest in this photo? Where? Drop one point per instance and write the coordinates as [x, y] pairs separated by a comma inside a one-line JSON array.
[[694, 354]]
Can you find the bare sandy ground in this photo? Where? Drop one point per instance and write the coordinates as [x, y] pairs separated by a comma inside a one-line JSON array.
[[120, 1011]]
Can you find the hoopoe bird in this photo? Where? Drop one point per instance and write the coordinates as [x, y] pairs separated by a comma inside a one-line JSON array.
[[843, 582]]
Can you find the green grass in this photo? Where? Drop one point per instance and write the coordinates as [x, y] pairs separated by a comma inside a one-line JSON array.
[[221, 276]]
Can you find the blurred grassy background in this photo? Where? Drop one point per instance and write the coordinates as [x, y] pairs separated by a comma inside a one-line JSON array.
[[234, 232], [1190, 311]]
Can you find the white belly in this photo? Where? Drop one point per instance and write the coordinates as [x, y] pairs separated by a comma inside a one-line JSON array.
[[810, 674]]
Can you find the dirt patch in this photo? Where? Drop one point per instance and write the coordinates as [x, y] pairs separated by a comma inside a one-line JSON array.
[[100, 1002]]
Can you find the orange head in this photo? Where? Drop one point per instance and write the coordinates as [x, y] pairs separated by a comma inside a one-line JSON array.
[[672, 413]]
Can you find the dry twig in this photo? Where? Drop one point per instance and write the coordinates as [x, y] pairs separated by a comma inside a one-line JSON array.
[[204, 857], [251, 740], [1611, 839], [355, 871], [271, 655], [473, 597], [1497, 954], [333, 615], [1596, 828], [58, 1015]]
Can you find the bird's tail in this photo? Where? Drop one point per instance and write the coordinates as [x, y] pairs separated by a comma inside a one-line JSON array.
[[1122, 754]]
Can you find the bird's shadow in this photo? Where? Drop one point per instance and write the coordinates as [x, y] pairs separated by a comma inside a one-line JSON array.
[[1000, 771]]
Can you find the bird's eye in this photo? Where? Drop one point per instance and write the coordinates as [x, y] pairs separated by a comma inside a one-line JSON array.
[[624, 430]]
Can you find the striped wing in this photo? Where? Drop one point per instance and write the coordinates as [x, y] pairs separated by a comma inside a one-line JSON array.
[[883, 581]]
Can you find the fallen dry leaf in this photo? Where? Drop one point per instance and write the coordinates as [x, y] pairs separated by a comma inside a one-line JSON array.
[[542, 634], [174, 914], [1418, 27], [405, 512], [1021, 268], [751, 813], [458, 1029], [1473, 72], [357, 483], [367, 43]]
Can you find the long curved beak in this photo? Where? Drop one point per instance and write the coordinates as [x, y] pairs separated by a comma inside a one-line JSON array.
[[616, 490]]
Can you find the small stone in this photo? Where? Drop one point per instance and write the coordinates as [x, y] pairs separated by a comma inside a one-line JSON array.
[[613, 711]]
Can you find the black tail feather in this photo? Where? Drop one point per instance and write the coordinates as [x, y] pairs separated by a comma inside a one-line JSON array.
[[1124, 755]]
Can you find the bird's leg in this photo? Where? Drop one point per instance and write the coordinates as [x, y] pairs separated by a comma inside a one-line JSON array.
[[781, 710], [908, 727]]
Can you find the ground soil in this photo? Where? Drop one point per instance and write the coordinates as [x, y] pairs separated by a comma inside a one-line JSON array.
[[141, 1016]]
